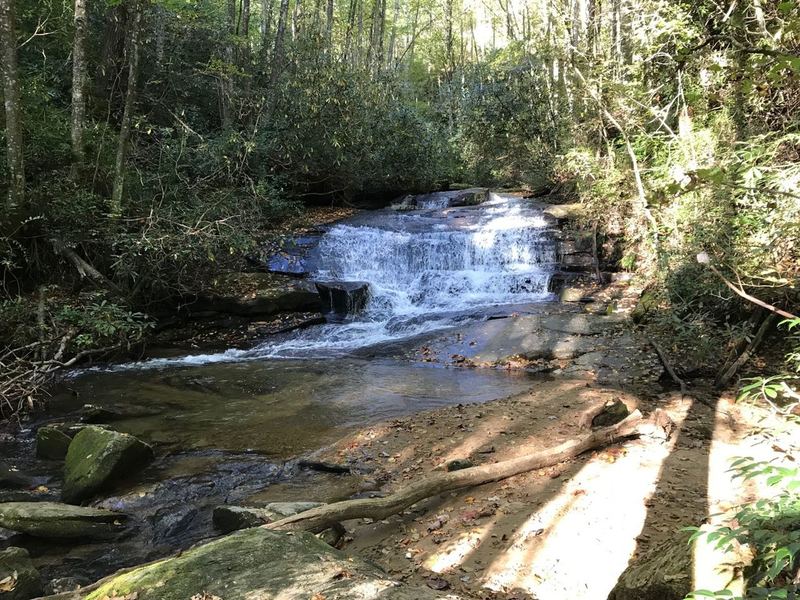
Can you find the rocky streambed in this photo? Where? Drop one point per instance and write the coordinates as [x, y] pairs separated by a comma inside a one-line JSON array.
[[444, 302]]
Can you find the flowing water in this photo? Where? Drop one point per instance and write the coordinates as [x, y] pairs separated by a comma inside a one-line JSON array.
[[225, 424], [427, 270]]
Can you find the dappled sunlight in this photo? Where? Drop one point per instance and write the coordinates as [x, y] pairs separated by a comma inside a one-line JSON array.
[[579, 543], [456, 552]]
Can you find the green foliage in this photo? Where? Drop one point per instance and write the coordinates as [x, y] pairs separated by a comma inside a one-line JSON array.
[[769, 527], [86, 322], [782, 391]]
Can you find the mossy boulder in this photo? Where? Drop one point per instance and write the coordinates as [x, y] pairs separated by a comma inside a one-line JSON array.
[[19, 579], [99, 457], [53, 439], [259, 564], [60, 521]]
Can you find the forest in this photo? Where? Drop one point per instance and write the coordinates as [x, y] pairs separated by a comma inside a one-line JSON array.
[[154, 152]]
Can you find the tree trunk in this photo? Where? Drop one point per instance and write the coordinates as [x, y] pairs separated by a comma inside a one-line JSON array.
[[225, 82], [13, 108], [78, 85], [135, 17], [317, 519], [277, 53], [266, 23], [329, 25], [244, 32]]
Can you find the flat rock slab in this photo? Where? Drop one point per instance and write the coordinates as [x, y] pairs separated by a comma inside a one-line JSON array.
[[60, 521], [583, 324], [258, 564], [99, 457], [19, 579]]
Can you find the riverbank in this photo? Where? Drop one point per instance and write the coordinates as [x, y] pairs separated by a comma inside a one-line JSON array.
[[575, 530]]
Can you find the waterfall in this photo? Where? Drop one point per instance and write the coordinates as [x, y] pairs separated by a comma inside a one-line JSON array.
[[428, 269]]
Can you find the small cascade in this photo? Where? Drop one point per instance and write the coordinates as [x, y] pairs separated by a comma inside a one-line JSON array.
[[427, 269]]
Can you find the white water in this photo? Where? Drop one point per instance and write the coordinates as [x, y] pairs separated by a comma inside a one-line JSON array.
[[427, 269]]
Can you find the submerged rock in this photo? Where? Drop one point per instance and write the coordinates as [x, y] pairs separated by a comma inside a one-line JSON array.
[[56, 520], [258, 564], [91, 413], [97, 458], [19, 579]]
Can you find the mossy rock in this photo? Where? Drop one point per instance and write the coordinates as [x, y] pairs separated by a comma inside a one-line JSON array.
[[99, 457], [259, 564], [19, 579], [54, 520], [53, 439]]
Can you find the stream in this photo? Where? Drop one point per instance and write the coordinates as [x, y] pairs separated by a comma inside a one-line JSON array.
[[227, 426]]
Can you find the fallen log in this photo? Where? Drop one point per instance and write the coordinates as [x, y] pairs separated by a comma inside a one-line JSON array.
[[658, 426]]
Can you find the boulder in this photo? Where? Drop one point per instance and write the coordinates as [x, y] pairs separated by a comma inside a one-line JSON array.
[[232, 518], [53, 439], [97, 458], [56, 520], [341, 299], [251, 294], [19, 579], [259, 564], [611, 414]]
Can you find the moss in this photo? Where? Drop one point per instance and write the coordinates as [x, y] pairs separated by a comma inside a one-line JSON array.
[[97, 457], [56, 520], [259, 564]]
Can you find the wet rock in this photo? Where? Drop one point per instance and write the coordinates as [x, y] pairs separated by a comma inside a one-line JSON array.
[[91, 413], [97, 458], [19, 579], [258, 564], [447, 199], [232, 518], [173, 522], [13, 479], [65, 584], [53, 439], [251, 294], [56, 520], [341, 299], [290, 256]]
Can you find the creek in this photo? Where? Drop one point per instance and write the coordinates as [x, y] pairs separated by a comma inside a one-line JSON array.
[[227, 426]]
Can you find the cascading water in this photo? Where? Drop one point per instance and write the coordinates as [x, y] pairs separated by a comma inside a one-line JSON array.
[[428, 269]]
